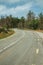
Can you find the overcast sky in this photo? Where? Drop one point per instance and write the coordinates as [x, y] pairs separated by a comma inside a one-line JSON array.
[[19, 8]]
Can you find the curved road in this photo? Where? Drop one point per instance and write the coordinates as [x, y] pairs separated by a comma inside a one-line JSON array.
[[22, 48]]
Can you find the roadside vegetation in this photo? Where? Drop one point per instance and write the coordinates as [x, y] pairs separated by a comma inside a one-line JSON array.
[[40, 31], [32, 22], [4, 34]]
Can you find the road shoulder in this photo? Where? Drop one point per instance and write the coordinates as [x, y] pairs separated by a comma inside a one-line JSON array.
[[40, 34]]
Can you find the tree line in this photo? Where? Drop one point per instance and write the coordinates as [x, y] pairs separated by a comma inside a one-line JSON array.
[[31, 22]]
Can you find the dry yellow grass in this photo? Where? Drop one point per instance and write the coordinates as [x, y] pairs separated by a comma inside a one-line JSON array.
[[39, 31], [4, 35]]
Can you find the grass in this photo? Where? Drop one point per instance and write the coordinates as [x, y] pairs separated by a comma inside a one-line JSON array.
[[4, 35]]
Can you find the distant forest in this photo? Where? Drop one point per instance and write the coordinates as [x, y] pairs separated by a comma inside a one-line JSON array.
[[30, 22]]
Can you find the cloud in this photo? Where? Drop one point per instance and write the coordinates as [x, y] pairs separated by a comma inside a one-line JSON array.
[[2, 7], [39, 2], [9, 1], [18, 11], [14, 1], [5, 11], [24, 7], [22, 10]]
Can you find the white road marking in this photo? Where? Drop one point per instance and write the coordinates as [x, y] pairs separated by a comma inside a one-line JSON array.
[[12, 43], [37, 51]]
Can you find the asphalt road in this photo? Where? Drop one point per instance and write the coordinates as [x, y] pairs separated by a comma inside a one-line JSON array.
[[22, 48]]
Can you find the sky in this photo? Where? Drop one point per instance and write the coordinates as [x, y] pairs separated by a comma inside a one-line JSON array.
[[19, 8]]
